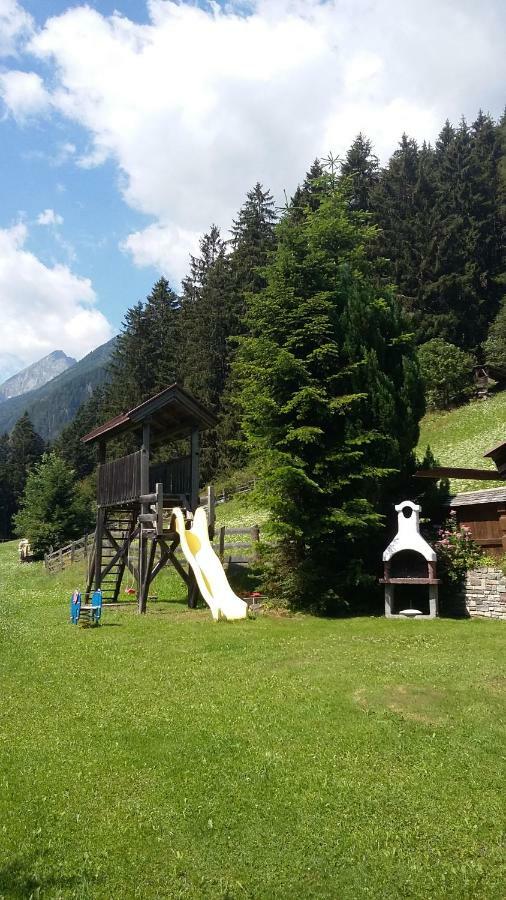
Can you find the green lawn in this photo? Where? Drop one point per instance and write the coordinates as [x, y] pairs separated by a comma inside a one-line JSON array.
[[172, 757], [461, 436]]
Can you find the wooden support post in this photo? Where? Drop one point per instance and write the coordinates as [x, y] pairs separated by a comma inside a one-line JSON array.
[[159, 507], [211, 506], [194, 471], [99, 536], [143, 562], [145, 579], [255, 537], [221, 543], [193, 591]]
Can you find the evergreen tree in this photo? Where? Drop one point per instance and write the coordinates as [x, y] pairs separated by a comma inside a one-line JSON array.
[[25, 448], [395, 202], [361, 168], [82, 457], [162, 323], [7, 504], [52, 511], [309, 193], [253, 240], [209, 316], [146, 351], [129, 370], [330, 396]]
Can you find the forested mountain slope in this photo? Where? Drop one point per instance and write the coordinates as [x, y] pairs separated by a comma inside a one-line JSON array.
[[53, 405]]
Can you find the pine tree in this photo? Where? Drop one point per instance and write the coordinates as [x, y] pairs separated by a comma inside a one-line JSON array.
[[396, 204], [308, 194], [25, 449], [253, 240], [361, 168], [130, 374], [7, 503], [82, 457], [209, 316], [330, 396], [52, 511], [146, 352], [162, 323]]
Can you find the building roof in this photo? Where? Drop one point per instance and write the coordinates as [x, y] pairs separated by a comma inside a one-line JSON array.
[[475, 498], [173, 413]]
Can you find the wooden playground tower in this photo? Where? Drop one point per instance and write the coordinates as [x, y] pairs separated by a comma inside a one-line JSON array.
[[135, 497]]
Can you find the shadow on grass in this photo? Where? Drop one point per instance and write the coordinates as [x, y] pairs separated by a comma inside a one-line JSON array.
[[19, 880]]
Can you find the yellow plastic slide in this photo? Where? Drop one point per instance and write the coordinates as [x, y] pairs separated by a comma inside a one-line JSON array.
[[207, 568]]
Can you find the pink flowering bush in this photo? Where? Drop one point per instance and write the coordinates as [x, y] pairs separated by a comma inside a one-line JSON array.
[[457, 551]]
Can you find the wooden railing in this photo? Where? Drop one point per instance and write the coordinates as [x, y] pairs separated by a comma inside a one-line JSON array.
[[119, 481], [71, 553], [232, 551], [174, 475]]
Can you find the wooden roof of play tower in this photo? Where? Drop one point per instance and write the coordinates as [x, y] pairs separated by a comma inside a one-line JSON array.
[[173, 413]]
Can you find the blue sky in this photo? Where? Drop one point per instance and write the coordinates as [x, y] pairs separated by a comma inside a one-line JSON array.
[[125, 134]]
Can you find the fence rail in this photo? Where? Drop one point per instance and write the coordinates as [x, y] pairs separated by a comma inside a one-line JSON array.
[[71, 553]]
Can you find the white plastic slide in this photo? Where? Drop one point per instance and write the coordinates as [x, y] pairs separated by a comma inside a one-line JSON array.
[[207, 568]]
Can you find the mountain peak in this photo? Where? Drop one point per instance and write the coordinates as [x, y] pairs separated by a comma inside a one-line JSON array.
[[36, 375]]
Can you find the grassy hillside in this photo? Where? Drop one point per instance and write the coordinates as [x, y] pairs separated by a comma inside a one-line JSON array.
[[461, 436], [170, 756]]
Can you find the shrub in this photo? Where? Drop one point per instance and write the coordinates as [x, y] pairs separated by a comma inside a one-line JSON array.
[[495, 345], [446, 371], [457, 552]]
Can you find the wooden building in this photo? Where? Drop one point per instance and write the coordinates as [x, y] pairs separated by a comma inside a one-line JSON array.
[[135, 495], [484, 513]]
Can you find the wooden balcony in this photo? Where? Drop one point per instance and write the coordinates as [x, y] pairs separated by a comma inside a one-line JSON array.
[[120, 480]]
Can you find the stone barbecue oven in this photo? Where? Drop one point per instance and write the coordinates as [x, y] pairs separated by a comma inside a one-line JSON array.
[[409, 560]]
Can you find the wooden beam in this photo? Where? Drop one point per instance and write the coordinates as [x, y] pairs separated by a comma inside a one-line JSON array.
[[465, 474]]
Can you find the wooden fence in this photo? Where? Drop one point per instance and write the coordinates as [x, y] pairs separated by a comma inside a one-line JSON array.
[[232, 551], [234, 546], [71, 553]]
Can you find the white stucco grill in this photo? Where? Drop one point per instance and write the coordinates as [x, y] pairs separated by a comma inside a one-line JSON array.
[[409, 560]]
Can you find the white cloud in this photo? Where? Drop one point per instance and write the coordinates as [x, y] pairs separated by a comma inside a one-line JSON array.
[[49, 217], [23, 93], [164, 246], [15, 24], [197, 105], [44, 308]]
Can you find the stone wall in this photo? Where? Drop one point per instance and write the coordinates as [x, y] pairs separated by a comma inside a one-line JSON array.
[[484, 593]]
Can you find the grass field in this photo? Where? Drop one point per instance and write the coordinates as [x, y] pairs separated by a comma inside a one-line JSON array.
[[461, 436], [167, 756]]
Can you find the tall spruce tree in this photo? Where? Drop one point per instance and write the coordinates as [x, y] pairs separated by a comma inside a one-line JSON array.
[[330, 397], [361, 168], [25, 449], [208, 318], [7, 503], [253, 240], [82, 457], [145, 355]]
